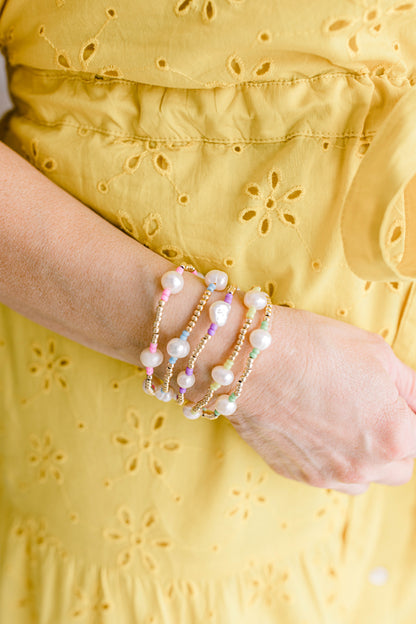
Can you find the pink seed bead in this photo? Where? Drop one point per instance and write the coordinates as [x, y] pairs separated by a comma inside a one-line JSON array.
[[166, 292], [179, 270], [164, 297], [149, 371], [153, 347]]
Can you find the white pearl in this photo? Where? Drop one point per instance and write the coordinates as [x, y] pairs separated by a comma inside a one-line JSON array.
[[149, 359], [219, 278], [218, 312], [154, 384], [224, 406], [178, 348], [187, 410], [164, 396], [260, 339], [378, 576], [184, 380], [173, 281], [222, 375], [255, 298]]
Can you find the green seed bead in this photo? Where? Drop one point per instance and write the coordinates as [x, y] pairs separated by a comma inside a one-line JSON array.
[[228, 364], [215, 386], [232, 397], [251, 312], [264, 325]]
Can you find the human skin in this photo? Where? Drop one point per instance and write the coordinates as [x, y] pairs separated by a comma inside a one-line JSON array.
[[328, 404]]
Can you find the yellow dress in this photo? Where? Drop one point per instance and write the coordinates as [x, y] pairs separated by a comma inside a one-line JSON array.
[[276, 141]]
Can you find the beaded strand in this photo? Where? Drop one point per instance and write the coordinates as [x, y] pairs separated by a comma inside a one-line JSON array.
[[179, 347], [260, 339], [218, 312], [172, 283], [223, 375]]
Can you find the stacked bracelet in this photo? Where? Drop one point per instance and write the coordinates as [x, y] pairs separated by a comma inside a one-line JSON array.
[[179, 347], [218, 313], [254, 300], [172, 283], [260, 339]]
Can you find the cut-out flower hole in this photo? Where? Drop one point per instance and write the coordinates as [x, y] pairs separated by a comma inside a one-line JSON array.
[[317, 265], [63, 59], [265, 226], [183, 199], [352, 44], [209, 10], [235, 66], [132, 163], [152, 224], [363, 148], [111, 71], [182, 7], [274, 177], [162, 164], [247, 214], [293, 194], [407, 6], [339, 24], [49, 164], [263, 69], [89, 50], [102, 186], [395, 234], [111, 13], [162, 63], [253, 190], [229, 262], [371, 15], [288, 218], [171, 252], [264, 36]]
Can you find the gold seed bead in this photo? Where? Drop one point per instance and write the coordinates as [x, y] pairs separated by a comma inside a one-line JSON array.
[[204, 401], [180, 398]]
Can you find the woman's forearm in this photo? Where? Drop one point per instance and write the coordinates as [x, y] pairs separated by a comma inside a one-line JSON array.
[[68, 269]]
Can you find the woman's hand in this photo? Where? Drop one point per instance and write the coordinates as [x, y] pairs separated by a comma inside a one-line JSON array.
[[330, 405]]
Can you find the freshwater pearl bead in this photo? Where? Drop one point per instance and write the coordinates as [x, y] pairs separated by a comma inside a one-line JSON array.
[[173, 281], [224, 406], [178, 348], [149, 359], [154, 384], [184, 380], [187, 410], [164, 396], [255, 299], [219, 278], [260, 339], [222, 375], [218, 312]]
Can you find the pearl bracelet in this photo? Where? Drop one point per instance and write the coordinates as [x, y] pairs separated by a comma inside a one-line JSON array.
[[260, 339], [179, 348], [254, 300], [218, 312], [172, 282]]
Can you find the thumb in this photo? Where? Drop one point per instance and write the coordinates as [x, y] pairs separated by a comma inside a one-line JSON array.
[[404, 378]]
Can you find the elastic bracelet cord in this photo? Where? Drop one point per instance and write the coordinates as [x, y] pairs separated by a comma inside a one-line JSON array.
[[172, 283], [260, 339], [178, 348], [218, 313], [254, 300]]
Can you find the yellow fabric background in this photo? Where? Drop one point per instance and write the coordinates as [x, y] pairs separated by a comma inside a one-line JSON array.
[[274, 142]]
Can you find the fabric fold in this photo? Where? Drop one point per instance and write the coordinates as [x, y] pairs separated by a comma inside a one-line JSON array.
[[378, 220]]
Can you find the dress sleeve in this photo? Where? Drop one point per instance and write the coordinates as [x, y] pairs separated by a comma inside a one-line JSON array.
[[378, 222]]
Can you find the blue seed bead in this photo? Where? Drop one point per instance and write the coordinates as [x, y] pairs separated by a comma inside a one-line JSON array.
[[172, 360], [211, 287], [184, 335]]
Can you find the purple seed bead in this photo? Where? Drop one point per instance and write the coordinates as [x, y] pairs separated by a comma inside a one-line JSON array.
[[189, 371], [212, 329], [182, 390], [228, 298]]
